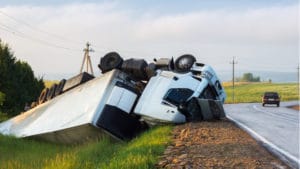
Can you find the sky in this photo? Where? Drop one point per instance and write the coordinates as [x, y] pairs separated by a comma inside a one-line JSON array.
[[262, 35]]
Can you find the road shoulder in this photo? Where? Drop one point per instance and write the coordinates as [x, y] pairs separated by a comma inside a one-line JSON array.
[[219, 144]]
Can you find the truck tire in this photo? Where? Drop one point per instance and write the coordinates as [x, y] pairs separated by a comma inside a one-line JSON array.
[[164, 64], [43, 96], [51, 92], [59, 88], [150, 70], [194, 111], [215, 109], [184, 63], [111, 60], [136, 68], [204, 109]]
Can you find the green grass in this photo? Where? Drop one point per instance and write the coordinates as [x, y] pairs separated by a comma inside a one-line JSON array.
[[141, 152], [252, 92]]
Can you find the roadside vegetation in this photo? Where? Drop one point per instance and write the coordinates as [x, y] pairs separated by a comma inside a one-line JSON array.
[[247, 92], [5, 116], [140, 153], [18, 85]]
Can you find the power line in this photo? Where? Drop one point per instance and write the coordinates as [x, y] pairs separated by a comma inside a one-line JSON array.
[[39, 30], [63, 38], [22, 35]]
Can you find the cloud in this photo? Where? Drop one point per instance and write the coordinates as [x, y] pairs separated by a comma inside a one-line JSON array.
[[212, 35], [268, 25]]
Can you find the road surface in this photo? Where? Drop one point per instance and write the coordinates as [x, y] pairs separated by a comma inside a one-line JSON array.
[[277, 128]]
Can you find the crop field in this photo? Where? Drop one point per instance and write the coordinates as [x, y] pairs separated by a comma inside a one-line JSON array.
[[252, 92], [49, 83]]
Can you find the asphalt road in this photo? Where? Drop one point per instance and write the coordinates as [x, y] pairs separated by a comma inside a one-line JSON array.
[[277, 128]]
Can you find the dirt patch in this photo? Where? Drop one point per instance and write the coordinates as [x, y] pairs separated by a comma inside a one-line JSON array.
[[218, 144], [295, 107]]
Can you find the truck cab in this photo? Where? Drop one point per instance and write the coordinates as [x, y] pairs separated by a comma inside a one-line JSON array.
[[168, 91]]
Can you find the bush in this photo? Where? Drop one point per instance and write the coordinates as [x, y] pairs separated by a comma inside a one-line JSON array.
[[2, 97], [18, 83]]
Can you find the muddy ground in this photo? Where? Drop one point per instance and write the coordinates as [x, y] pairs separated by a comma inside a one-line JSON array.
[[219, 144]]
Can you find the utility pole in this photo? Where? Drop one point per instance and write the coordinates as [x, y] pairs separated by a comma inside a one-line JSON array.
[[87, 59], [298, 87], [233, 63]]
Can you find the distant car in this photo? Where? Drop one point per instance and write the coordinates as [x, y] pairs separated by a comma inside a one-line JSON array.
[[271, 98]]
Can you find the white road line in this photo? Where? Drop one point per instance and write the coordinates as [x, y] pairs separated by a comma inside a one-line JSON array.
[[283, 155]]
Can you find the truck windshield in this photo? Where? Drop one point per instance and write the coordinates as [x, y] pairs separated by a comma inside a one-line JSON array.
[[176, 96]]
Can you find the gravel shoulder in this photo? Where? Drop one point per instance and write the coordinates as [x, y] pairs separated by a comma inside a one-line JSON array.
[[219, 144]]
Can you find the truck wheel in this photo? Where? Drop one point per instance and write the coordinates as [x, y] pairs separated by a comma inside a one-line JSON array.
[[136, 68], [193, 110], [216, 111], [43, 96], [51, 92], [111, 60], [59, 88]]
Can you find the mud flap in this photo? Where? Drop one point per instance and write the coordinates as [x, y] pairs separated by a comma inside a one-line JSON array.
[[204, 109]]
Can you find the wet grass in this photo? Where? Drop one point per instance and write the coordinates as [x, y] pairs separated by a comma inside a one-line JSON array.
[[141, 152], [252, 92]]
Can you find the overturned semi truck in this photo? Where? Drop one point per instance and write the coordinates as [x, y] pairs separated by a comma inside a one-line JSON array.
[[130, 96]]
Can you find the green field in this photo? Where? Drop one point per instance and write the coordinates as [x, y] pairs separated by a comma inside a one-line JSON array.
[[141, 152], [252, 92]]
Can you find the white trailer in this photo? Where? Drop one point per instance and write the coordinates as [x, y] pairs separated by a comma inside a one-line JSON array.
[[99, 106]]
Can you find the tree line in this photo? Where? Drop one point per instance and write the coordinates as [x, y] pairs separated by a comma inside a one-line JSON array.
[[248, 77], [18, 85]]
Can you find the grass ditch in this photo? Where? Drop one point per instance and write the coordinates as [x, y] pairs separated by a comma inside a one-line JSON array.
[[141, 152]]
